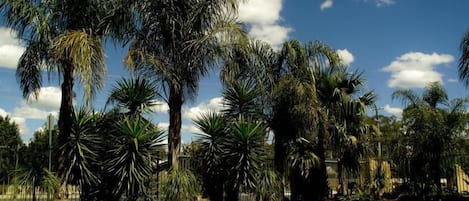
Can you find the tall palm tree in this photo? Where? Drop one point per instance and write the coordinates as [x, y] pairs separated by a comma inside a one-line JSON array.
[[64, 37], [289, 92], [179, 41], [464, 60], [339, 94]]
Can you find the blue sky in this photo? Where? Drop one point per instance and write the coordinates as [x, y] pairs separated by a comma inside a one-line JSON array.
[[396, 43]]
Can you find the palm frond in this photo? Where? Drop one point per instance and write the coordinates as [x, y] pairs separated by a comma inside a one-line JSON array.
[[86, 54], [463, 67]]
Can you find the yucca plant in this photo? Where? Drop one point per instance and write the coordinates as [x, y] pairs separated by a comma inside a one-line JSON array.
[[214, 132], [181, 185], [36, 181], [135, 95], [269, 186], [244, 151], [136, 144], [81, 150]]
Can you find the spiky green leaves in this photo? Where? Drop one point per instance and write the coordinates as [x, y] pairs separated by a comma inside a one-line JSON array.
[[81, 149], [181, 186], [137, 95], [135, 144]]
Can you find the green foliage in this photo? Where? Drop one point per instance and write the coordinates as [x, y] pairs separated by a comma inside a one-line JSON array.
[[134, 147], [181, 186], [9, 141], [32, 180], [463, 66], [358, 197], [137, 95], [269, 187], [81, 149], [243, 151], [429, 135], [176, 45]]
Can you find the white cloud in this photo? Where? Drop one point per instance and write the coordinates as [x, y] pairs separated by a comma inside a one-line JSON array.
[[214, 105], [326, 4], [28, 112], [263, 17], [48, 98], [24, 130], [160, 107], [10, 48], [3, 113], [272, 34], [383, 3], [346, 56], [453, 80], [416, 69], [21, 122], [393, 110]]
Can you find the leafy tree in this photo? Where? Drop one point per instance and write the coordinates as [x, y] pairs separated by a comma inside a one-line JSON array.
[[177, 43], [10, 140], [34, 172]]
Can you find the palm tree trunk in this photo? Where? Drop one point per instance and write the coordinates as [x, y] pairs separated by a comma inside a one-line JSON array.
[[322, 177], [65, 116], [341, 179], [174, 138]]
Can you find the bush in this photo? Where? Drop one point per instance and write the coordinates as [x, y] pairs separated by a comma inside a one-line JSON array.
[[181, 185]]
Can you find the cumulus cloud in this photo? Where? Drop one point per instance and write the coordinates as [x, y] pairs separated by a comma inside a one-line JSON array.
[[416, 69], [383, 3], [453, 80], [48, 99], [10, 48], [263, 17], [326, 4], [346, 56], [213, 105], [47, 102], [21, 122], [393, 110], [3, 113], [160, 107], [28, 112]]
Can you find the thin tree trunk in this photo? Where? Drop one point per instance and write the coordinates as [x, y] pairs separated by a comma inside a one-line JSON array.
[[174, 138], [341, 179], [65, 117]]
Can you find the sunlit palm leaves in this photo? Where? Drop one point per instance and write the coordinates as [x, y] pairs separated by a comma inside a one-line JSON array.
[[86, 54]]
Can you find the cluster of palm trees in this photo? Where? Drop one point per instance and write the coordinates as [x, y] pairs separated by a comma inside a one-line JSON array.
[[302, 95]]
